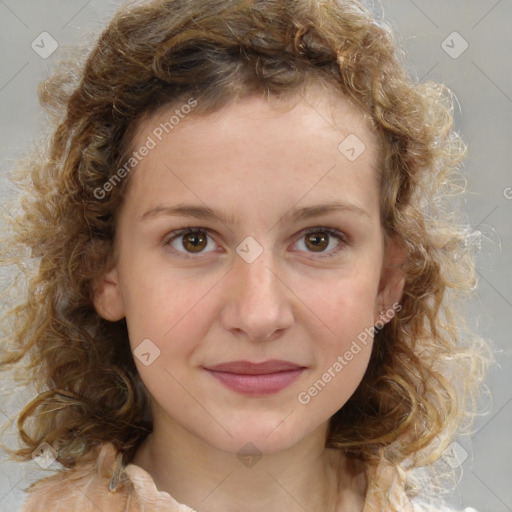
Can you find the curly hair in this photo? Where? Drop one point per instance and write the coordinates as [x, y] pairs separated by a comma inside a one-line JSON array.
[[426, 365]]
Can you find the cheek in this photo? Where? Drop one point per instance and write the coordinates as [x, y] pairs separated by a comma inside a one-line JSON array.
[[343, 345], [174, 323], [163, 307], [344, 313], [344, 306]]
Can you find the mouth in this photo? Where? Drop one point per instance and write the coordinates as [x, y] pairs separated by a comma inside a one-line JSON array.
[[256, 379]]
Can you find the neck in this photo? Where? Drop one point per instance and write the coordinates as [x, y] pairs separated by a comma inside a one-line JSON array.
[[306, 476]]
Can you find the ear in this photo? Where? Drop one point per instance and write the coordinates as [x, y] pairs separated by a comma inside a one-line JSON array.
[[392, 281], [108, 300]]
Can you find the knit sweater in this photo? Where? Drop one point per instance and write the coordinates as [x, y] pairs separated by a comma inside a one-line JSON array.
[[101, 483]]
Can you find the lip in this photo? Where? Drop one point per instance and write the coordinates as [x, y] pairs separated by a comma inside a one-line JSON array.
[[256, 379]]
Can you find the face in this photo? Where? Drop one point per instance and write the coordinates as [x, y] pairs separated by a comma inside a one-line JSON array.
[[252, 236]]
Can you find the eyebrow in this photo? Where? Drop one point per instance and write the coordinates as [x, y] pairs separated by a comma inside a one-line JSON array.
[[205, 213]]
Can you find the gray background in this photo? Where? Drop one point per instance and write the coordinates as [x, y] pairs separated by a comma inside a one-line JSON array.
[[481, 78]]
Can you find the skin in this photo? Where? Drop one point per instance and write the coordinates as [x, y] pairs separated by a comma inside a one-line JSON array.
[[292, 302]]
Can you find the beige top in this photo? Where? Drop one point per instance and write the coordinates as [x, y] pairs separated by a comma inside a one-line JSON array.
[[101, 483]]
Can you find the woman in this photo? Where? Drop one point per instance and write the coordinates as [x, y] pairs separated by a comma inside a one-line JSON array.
[[245, 275]]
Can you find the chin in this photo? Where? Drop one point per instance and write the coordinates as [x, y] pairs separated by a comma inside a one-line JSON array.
[[259, 435]]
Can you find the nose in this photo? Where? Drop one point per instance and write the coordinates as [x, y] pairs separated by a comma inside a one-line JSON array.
[[257, 303]]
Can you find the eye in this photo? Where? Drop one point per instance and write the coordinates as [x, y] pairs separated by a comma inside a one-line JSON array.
[[189, 241], [326, 241]]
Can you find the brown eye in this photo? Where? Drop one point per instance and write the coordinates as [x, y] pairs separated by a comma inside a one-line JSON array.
[[317, 242], [326, 242], [195, 242], [189, 241]]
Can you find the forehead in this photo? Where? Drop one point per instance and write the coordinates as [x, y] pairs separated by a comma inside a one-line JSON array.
[[333, 108], [259, 146]]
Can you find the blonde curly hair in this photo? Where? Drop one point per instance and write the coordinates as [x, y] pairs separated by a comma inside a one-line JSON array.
[[425, 366]]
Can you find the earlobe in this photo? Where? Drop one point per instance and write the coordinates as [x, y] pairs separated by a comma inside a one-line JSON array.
[[392, 282], [108, 301]]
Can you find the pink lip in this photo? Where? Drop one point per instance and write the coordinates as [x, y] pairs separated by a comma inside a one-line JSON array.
[[256, 378]]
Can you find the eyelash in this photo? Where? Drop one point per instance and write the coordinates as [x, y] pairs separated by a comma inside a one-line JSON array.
[[318, 229]]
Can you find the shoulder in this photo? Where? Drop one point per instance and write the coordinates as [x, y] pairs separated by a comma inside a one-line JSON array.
[[100, 482], [422, 507], [386, 488], [83, 488]]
